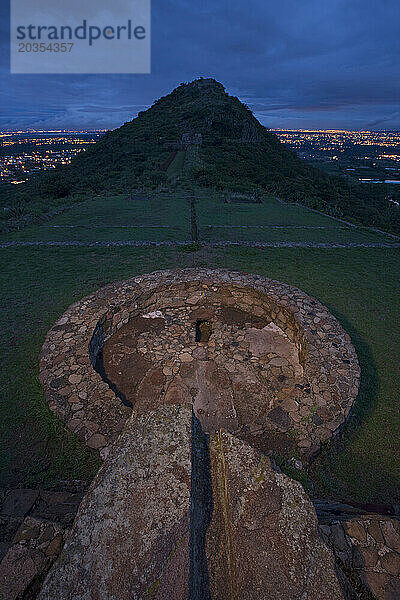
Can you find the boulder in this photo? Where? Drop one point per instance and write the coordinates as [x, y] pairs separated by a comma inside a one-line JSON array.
[[130, 539], [263, 539], [175, 513]]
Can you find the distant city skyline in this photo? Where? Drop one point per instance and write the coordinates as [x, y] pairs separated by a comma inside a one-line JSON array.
[[24, 153], [7, 131], [313, 65]]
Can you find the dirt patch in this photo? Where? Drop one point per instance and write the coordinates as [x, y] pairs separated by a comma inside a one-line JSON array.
[[235, 316]]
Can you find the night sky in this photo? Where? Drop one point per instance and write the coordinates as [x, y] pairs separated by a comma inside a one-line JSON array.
[[297, 64]]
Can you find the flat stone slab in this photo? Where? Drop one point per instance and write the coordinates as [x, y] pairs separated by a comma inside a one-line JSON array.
[[35, 546], [272, 339], [369, 548], [130, 539], [19, 502]]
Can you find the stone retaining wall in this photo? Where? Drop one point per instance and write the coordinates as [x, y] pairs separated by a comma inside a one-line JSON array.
[[314, 408]]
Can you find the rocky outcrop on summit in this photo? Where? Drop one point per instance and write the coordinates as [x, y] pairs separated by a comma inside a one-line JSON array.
[[186, 380]]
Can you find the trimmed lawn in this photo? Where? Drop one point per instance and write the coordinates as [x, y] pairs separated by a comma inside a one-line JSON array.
[[288, 234], [214, 211], [44, 233], [165, 218], [115, 218], [219, 221]]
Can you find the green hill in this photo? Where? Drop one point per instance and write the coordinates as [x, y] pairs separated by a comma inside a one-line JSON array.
[[236, 154]]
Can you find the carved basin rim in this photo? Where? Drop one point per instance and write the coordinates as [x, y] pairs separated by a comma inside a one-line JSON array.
[[80, 397]]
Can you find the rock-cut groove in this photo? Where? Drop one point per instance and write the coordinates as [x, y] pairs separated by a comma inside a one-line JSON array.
[[99, 367], [201, 509]]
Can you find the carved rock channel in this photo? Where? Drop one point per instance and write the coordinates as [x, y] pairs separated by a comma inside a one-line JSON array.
[[187, 503]]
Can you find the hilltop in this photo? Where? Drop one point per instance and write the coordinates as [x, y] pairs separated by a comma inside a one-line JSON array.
[[200, 136], [230, 134]]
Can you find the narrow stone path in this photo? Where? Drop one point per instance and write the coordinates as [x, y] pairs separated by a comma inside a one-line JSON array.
[[274, 227], [309, 244], [108, 226], [193, 221], [94, 244], [116, 243]]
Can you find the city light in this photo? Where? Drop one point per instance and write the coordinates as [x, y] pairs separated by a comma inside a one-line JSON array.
[[43, 150]]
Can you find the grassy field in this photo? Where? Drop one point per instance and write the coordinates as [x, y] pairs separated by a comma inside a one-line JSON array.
[[360, 286], [114, 218], [214, 211], [272, 221], [290, 234], [166, 219]]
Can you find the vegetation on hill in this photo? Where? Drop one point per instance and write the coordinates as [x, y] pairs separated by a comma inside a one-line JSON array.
[[237, 153]]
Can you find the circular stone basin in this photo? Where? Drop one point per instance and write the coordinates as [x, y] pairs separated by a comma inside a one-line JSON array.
[[253, 356]]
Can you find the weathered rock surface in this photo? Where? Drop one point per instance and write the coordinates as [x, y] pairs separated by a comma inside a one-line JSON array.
[[263, 540], [43, 515], [368, 547], [130, 536], [288, 344], [133, 370]]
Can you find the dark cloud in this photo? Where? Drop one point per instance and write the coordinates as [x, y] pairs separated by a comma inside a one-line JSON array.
[[296, 64]]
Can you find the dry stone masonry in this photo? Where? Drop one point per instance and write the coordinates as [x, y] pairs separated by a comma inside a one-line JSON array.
[[33, 527], [368, 547], [287, 370]]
